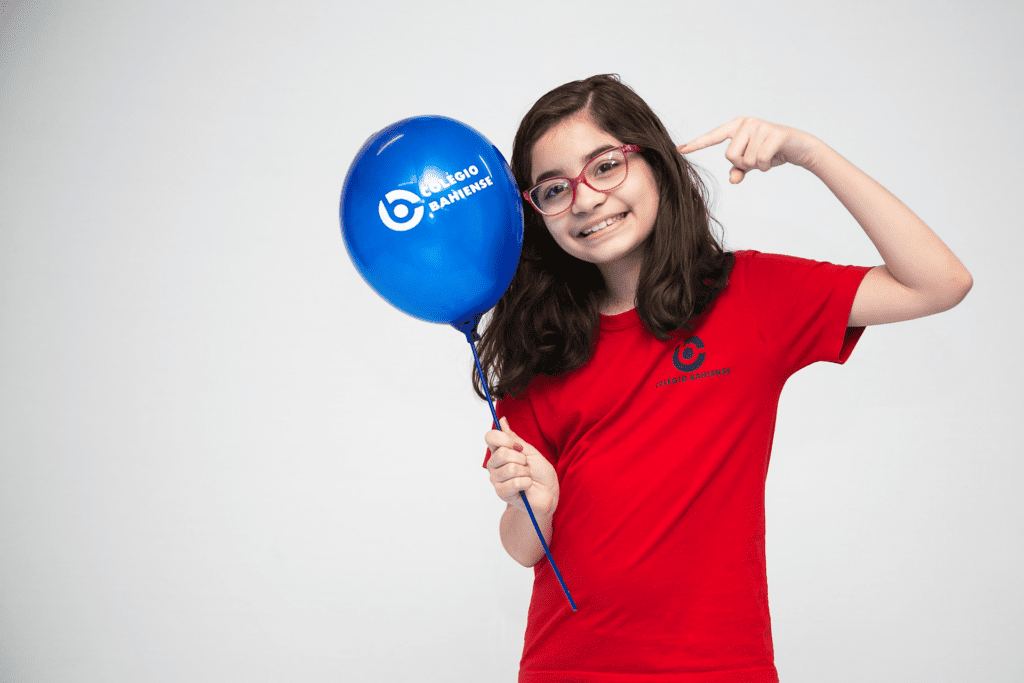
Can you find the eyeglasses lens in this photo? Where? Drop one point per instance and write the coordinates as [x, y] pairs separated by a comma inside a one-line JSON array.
[[604, 173]]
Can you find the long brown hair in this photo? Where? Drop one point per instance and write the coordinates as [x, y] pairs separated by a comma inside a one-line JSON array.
[[547, 320]]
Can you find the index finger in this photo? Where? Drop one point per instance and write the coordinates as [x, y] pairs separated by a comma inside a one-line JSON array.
[[720, 134]]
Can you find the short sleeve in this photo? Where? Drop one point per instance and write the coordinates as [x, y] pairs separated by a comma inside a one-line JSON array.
[[801, 308], [522, 418]]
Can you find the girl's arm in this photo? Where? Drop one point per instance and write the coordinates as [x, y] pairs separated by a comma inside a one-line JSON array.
[[921, 276], [519, 538]]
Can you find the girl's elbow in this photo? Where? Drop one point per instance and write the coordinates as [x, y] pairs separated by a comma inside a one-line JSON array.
[[962, 286], [955, 291]]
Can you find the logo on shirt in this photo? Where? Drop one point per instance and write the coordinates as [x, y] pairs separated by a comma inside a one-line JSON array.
[[687, 358], [687, 363]]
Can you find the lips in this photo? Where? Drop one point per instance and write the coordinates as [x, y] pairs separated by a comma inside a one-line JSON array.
[[601, 225]]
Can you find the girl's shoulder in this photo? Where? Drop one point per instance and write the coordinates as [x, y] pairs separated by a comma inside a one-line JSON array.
[[784, 282], [758, 277], [753, 264]]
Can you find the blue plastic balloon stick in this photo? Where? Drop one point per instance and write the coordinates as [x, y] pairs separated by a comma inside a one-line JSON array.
[[472, 337]]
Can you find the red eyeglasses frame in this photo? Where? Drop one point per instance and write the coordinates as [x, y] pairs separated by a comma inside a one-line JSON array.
[[581, 178]]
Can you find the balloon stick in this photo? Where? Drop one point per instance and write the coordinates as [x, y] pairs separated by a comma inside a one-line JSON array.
[[472, 337]]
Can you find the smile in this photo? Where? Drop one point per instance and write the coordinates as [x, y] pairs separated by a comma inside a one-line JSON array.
[[602, 225]]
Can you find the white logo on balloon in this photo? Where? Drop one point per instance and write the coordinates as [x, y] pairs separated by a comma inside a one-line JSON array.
[[401, 211]]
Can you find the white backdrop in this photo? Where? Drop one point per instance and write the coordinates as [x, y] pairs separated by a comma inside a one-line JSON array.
[[223, 457]]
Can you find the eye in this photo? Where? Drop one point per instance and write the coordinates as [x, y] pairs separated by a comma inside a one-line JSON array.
[[553, 190], [606, 166]]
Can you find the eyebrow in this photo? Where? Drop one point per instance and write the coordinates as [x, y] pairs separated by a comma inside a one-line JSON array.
[[560, 173]]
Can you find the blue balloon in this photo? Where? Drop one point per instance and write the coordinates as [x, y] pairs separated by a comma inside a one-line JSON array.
[[433, 220]]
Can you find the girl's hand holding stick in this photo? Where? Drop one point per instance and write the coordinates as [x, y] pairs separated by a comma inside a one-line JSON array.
[[517, 466]]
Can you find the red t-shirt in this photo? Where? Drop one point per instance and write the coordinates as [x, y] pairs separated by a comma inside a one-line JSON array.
[[662, 451]]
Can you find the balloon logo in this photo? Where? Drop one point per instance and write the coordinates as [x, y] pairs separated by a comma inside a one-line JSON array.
[[432, 219]]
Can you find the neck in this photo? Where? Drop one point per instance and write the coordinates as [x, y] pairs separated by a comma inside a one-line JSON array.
[[620, 281]]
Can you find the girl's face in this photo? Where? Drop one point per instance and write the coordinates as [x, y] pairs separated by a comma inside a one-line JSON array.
[[627, 212]]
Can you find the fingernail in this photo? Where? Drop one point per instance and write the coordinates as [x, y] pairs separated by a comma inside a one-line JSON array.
[[517, 447]]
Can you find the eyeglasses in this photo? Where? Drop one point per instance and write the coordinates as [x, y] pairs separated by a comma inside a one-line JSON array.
[[603, 173]]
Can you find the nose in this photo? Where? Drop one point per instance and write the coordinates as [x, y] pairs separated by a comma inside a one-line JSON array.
[[587, 199]]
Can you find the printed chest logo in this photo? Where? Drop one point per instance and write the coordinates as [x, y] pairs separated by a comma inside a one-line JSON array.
[[688, 358], [688, 353]]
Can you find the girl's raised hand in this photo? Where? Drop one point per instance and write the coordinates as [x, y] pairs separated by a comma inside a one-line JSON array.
[[516, 466], [757, 144]]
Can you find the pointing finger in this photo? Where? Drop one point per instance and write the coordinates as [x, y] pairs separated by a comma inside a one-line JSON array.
[[714, 137]]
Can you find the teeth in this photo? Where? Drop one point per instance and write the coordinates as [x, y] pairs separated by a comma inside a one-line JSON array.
[[603, 224]]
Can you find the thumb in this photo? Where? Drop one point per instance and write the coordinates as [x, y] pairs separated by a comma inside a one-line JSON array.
[[505, 428], [736, 175]]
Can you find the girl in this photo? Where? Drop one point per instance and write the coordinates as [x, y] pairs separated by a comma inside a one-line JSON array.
[[639, 367]]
